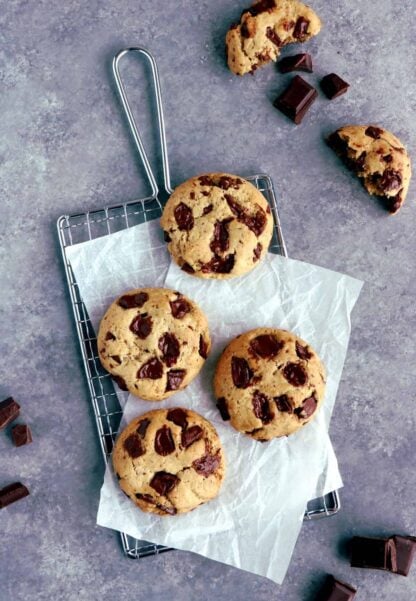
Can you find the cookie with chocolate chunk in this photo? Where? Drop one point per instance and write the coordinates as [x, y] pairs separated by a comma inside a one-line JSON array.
[[269, 383], [169, 461], [264, 29], [217, 225], [153, 341], [378, 158]]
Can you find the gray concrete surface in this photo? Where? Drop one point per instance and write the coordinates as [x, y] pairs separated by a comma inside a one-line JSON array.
[[64, 148]]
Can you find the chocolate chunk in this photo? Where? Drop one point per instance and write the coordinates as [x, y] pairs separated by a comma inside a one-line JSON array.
[[266, 346], [133, 301], [273, 37], [116, 359], [260, 7], [203, 347], [188, 268], [207, 209], [179, 307], [295, 374], [152, 369], [184, 217], [191, 435], [301, 28], [12, 493], [247, 32], [405, 552], [142, 427], [388, 158], [261, 407], [333, 86], [393, 203], [223, 409], [205, 180], [375, 553], [166, 237], [175, 377], [178, 416], [21, 435], [121, 383], [141, 325], [169, 347], [308, 408], [164, 443], [241, 372], [221, 238], [256, 223], [133, 446], [297, 62], [219, 264], [296, 99], [192, 195], [336, 590], [9, 410], [373, 132], [283, 404], [207, 464], [389, 181], [110, 336], [257, 252], [225, 182], [163, 483], [303, 352]]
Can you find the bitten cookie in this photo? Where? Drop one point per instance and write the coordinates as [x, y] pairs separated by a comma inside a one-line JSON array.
[[378, 158], [264, 29], [269, 383], [153, 341], [217, 226], [169, 461]]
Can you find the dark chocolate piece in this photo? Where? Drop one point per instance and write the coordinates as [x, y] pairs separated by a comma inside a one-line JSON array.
[[21, 435], [405, 552], [12, 493], [297, 62], [333, 86], [375, 553], [336, 590], [296, 100], [9, 410]]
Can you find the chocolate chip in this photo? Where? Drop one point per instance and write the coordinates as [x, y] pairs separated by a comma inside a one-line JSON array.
[[164, 443], [390, 180], [296, 100], [118, 476], [184, 217], [120, 382], [203, 347], [308, 408], [110, 336], [261, 407], [192, 195], [303, 352], [373, 132], [283, 404], [219, 264], [179, 307], [169, 347], [207, 209], [21, 435], [225, 182], [241, 372], [141, 325], [205, 193], [256, 223], [152, 369], [133, 446], [295, 374], [261, 7], [257, 252], [163, 483], [245, 31], [301, 28], [223, 409], [333, 86], [393, 203], [205, 180], [266, 346], [133, 301], [142, 427], [207, 465], [388, 158], [188, 268], [297, 62], [116, 359], [338, 145], [175, 377], [167, 237], [273, 37], [221, 238], [358, 164], [12, 493], [9, 410], [179, 417], [191, 435], [144, 497]]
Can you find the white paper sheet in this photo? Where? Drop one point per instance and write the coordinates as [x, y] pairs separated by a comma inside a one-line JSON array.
[[267, 485]]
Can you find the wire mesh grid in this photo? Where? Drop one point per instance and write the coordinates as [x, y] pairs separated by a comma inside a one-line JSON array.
[[74, 229]]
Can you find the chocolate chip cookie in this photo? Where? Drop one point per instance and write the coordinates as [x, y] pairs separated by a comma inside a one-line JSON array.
[[217, 225], [269, 383], [264, 29], [378, 158], [153, 341], [169, 461]]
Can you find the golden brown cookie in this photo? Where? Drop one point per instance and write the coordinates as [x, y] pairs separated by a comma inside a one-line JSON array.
[[378, 158], [153, 341], [169, 461], [264, 29], [217, 225], [269, 383]]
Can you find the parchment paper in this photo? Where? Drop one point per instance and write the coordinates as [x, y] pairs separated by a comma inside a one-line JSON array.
[[255, 521]]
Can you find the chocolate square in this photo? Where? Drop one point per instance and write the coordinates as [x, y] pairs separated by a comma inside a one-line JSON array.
[[21, 435], [297, 99], [333, 86], [405, 552], [336, 590], [297, 62]]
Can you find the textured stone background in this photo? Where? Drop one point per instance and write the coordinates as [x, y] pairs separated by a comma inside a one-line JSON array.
[[64, 148]]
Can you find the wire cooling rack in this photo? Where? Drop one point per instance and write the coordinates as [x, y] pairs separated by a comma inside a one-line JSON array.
[[73, 229]]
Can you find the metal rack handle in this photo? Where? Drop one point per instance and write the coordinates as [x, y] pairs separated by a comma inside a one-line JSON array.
[[132, 123]]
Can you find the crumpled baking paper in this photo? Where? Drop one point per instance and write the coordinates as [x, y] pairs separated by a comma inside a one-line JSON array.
[[255, 521]]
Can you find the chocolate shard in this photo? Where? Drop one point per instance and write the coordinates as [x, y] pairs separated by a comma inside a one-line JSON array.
[[21, 435], [297, 62], [373, 553], [405, 551], [9, 410], [12, 493], [296, 100], [336, 590], [333, 86]]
